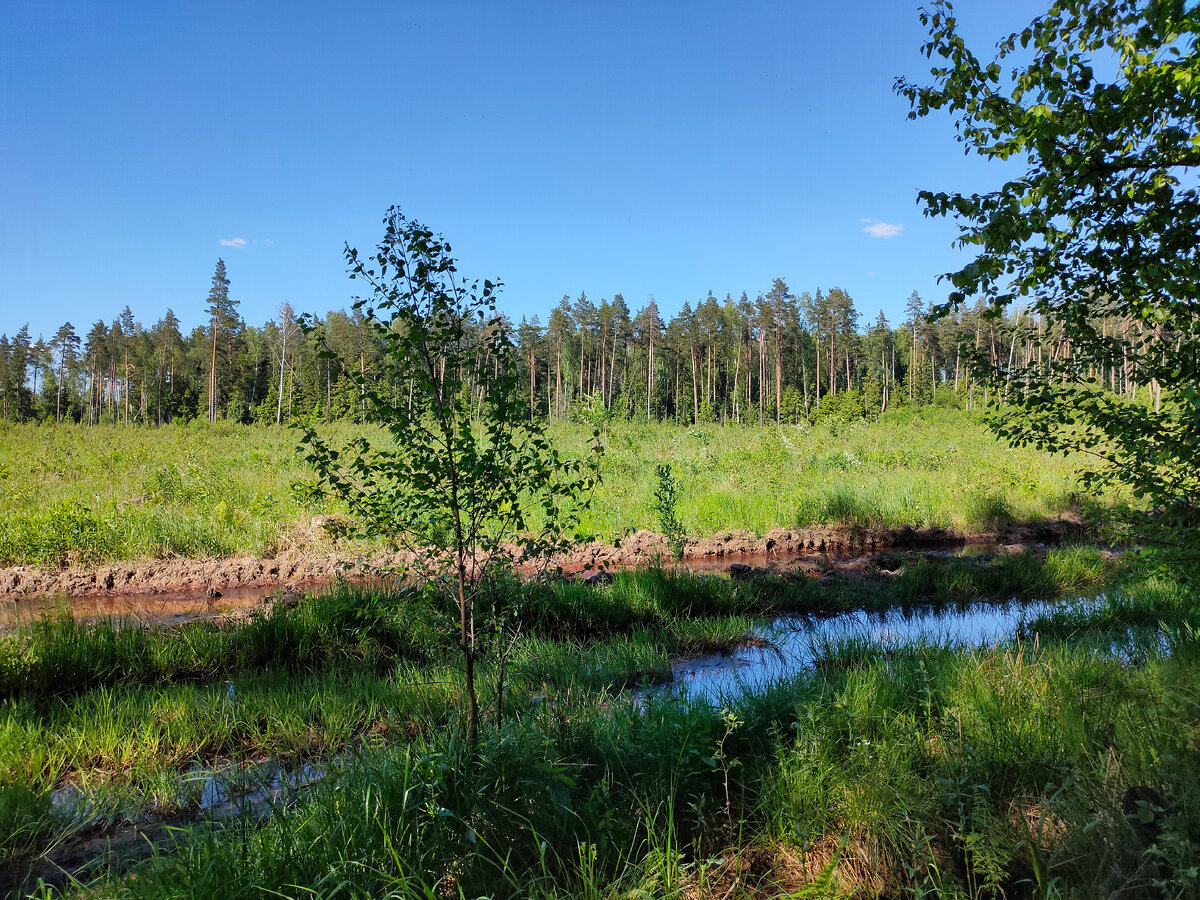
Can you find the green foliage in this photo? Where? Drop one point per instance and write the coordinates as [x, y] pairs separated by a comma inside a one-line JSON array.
[[592, 412], [846, 406], [466, 473], [63, 532], [1102, 227], [666, 499], [791, 408], [872, 393]]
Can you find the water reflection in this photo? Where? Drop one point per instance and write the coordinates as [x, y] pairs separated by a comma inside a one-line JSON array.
[[785, 646]]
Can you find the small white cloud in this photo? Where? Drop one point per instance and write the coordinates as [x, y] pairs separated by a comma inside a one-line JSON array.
[[269, 241], [872, 274], [237, 243], [877, 229]]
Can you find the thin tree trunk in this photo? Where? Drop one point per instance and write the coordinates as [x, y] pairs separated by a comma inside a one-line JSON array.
[[279, 399], [737, 369], [695, 387]]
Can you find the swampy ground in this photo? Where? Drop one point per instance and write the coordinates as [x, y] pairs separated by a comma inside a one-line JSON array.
[[873, 739], [316, 747]]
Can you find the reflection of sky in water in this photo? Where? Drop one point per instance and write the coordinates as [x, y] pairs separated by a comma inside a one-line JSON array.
[[233, 791], [254, 792], [794, 641]]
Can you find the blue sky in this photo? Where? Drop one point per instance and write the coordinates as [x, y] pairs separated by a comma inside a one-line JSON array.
[[643, 148]]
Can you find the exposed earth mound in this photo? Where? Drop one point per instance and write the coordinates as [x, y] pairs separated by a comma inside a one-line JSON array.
[[305, 567]]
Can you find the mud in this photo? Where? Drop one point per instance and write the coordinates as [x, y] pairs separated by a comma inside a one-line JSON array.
[[230, 583], [783, 545]]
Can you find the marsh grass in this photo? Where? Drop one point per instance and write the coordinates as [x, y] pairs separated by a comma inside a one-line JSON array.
[[930, 771], [1154, 603], [100, 704], [59, 656], [1062, 570], [123, 714], [906, 768], [76, 495]]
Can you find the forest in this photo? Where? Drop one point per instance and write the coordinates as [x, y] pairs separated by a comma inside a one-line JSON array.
[[779, 357]]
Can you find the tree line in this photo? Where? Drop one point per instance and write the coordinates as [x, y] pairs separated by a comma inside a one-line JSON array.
[[779, 357]]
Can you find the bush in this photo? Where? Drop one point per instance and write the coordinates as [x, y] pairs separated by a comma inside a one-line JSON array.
[[844, 407], [64, 532]]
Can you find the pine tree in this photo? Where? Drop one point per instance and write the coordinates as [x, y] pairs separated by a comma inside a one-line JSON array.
[[223, 324], [66, 343], [914, 309], [168, 342]]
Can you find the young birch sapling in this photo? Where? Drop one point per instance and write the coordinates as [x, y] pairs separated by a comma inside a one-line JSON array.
[[464, 481]]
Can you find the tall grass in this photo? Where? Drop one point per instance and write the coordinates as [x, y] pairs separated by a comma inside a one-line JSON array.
[[76, 495], [1017, 576], [914, 768], [59, 656], [933, 771]]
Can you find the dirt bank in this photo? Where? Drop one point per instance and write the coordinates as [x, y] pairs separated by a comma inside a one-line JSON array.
[[835, 540], [309, 567]]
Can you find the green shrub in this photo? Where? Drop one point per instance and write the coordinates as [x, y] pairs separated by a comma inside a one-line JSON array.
[[64, 532]]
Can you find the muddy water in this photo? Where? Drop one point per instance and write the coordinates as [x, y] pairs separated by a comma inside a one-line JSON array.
[[177, 606], [134, 609], [787, 645]]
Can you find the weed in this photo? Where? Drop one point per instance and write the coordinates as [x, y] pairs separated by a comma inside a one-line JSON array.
[[666, 500]]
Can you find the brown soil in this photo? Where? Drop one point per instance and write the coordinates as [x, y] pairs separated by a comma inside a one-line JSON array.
[[643, 547], [307, 567]]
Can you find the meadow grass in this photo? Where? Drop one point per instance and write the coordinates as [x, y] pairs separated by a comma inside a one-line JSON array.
[[88, 495], [916, 770]]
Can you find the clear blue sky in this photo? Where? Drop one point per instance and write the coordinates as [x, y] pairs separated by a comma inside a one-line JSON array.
[[665, 148]]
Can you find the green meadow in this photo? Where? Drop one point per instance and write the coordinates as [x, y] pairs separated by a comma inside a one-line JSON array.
[[318, 747], [73, 495]]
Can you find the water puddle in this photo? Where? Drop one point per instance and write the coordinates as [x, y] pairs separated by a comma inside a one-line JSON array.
[[222, 795], [202, 793], [140, 609], [785, 646]]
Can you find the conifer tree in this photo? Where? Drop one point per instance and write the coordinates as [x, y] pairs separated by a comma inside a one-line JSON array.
[[223, 324]]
